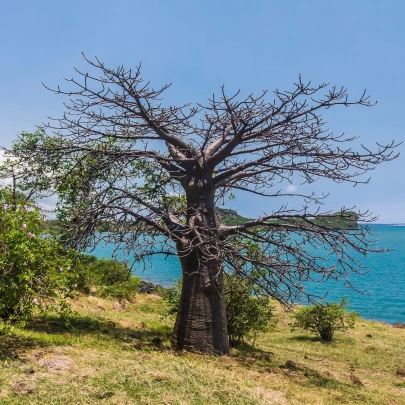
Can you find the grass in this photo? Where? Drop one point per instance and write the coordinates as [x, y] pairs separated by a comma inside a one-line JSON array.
[[120, 354]]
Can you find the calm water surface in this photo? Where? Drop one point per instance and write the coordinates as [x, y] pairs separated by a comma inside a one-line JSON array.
[[384, 284]]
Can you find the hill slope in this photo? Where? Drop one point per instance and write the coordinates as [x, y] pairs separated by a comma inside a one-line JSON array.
[[120, 354], [231, 217]]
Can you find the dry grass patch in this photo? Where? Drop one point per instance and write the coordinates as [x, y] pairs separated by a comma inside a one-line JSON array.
[[110, 356]]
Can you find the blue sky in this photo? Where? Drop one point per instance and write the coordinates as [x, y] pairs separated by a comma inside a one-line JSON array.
[[200, 45]]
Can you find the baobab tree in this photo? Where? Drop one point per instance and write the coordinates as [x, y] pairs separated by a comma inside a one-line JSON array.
[[157, 173]]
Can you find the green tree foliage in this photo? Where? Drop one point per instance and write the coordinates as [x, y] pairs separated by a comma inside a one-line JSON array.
[[325, 319], [35, 271]]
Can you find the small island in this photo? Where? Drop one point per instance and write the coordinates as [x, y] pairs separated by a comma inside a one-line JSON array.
[[346, 221]]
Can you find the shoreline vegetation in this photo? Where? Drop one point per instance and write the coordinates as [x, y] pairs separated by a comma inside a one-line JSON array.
[[117, 351]]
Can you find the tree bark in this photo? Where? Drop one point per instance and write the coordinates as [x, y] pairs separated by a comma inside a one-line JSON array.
[[201, 319], [201, 324]]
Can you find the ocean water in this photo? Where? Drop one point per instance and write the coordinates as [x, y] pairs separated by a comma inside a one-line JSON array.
[[384, 284]]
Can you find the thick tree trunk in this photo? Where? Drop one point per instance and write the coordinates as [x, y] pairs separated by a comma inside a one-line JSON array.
[[201, 318]]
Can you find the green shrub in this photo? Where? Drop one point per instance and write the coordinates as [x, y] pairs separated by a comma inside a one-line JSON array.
[[325, 319], [246, 313], [106, 278], [121, 290], [100, 272], [172, 298], [109, 272], [35, 271]]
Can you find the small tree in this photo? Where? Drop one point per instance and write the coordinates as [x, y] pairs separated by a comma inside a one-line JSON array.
[[156, 174], [325, 319], [34, 268]]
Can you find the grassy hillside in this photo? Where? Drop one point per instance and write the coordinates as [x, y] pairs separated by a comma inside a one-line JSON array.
[[231, 217], [340, 223], [120, 354]]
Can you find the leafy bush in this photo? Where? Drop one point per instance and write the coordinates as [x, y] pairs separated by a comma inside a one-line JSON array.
[[172, 298], [121, 290], [106, 278], [109, 272], [325, 319], [246, 313], [101, 272], [35, 270]]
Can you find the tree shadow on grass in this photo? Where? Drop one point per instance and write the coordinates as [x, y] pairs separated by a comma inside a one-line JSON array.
[[265, 362], [54, 331], [11, 346], [336, 339], [307, 338], [252, 357], [77, 326]]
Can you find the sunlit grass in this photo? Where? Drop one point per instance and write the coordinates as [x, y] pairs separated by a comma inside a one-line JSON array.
[[120, 354]]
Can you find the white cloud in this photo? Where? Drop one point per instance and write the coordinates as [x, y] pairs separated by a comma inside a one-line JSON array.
[[291, 188], [3, 158], [48, 205], [6, 181]]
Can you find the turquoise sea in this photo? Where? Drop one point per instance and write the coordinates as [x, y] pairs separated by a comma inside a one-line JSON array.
[[384, 283]]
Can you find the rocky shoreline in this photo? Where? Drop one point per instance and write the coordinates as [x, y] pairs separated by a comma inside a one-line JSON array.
[[147, 287]]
